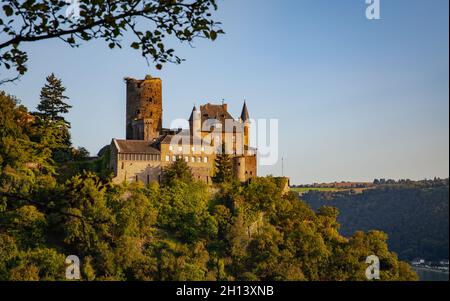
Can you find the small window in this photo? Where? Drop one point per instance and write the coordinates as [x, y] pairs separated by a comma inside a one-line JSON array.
[[203, 148], [199, 159], [167, 158], [205, 160], [180, 149], [123, 165], [193, 159], [186, 159], [174, 158], [193, 148], [171, 147]]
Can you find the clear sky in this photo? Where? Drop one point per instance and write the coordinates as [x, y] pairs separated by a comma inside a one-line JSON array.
[[356, 99]]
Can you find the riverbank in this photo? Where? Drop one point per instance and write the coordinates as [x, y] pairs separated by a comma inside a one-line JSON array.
[[430, 274]]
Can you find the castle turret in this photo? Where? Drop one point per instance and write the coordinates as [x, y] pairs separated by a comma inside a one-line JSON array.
[[195, 124], [245, 119], [144, 108]]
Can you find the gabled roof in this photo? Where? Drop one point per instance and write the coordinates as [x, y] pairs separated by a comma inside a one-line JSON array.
[[135, 147], [180, 138], [210, 112], [218, 112]]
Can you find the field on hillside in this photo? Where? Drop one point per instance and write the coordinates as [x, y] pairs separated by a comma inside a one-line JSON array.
[[303, 190]]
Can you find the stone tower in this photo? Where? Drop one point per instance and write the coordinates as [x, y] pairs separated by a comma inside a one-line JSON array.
[[144, 108]]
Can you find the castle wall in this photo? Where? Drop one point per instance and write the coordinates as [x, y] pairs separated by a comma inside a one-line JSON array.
[[132, 167], [132, 171], [144, 122], [239, 168], [201, 162], [250, 167], [245, 167]]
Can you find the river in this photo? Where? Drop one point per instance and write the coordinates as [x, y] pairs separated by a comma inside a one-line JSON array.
[[431, 275]]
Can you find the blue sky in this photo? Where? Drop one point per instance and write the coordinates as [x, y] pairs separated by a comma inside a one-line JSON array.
[[356, 99]]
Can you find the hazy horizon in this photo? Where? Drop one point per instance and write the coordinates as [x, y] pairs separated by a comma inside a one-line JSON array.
[[355, 99]]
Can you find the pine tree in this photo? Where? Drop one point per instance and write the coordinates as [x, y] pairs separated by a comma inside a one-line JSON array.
[[178, 170], [50, 110], [53, 103], [224, 169]]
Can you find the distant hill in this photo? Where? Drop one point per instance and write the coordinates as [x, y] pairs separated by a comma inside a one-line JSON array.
[[415, 215]]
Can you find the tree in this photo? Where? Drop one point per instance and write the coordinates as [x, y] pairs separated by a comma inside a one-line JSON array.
[[24, 141], [80, 154], [53, 103], [224, 169], [180, 231], [149, 21], [50, 110], [178, 170]]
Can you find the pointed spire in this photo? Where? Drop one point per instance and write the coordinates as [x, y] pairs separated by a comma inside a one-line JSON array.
[[194, 109], [244, 115]]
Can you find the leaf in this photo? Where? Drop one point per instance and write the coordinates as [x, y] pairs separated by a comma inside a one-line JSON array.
[[213, 35], [8, 10], [135, 45], [159, 66]]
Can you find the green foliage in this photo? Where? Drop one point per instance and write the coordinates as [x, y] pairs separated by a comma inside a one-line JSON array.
[[181, 230], [34, 21], [25, 147], [177, 171], [184, 211], [52, 103], [414, 215], [51, 108], [224, 169]]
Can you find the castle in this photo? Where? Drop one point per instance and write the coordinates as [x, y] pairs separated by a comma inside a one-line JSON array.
[[149, 148]]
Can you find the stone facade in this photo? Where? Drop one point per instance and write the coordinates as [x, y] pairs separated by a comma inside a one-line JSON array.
[[144, 108], [149, 148]]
